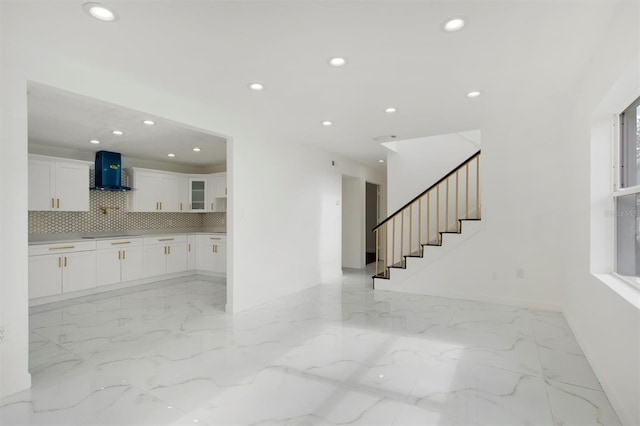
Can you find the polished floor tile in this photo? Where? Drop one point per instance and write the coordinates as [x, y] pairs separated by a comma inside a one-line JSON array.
[[166, 353]]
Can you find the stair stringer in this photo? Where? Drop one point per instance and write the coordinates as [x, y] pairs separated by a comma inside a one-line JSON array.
[[430, 255]]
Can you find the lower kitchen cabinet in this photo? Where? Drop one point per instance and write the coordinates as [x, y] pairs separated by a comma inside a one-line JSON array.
[[45, 276], [165, 255], [211, 253], [191, 252], [60, 268], [119, 261], [71, 268]]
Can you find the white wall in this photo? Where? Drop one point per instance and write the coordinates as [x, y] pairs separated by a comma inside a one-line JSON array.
[[521, 207], [419, 163], [14, 354], [603, 312], [546, 179], [284, 217], [353, 225]]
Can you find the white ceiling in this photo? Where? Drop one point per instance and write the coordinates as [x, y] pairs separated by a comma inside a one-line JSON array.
[[62, 119], [209, 51]]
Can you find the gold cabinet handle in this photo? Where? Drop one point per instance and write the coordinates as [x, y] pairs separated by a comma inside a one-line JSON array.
[[214, 238], [53, 204], [62, 248], [124, 254], [211, 206], [121, 242], [166, 239], [160, 205], [165, 249], [180, 206], [65, 261], [58, 202], [119, 253], [168, 249], [189, 247], [59, 262]]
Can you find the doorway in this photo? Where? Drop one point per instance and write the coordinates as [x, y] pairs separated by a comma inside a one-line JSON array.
[[372, 216]]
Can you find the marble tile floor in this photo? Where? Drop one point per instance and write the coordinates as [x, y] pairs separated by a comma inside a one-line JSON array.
[[336, 354]]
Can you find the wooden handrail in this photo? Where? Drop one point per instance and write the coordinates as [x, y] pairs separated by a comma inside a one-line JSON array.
[[427, 190]]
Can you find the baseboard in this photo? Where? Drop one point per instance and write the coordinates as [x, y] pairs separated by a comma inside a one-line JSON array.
[[609, 391], [522, 303]]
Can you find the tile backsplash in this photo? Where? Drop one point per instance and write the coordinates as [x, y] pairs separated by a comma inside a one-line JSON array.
[[117, 218]]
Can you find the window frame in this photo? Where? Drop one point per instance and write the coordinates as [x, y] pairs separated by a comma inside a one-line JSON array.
[[618, 189]]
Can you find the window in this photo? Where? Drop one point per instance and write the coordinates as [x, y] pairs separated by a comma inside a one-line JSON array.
[[630, 146], [627, 196]]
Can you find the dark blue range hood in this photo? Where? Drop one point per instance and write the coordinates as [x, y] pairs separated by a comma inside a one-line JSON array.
[[109, 172]]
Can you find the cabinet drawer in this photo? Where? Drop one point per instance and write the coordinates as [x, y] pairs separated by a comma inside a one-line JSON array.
[[166, 239], [70, 247], [211, 238], [119, 243]]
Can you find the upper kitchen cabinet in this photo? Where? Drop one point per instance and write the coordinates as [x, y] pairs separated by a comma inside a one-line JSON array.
[[57, 184], [155, 191], [220, 187], [217, 192], [198, 194]]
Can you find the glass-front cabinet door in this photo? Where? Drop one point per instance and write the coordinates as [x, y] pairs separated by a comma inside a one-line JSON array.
[[197, 194]]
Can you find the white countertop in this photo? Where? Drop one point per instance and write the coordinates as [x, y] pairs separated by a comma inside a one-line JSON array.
[[89, 236]]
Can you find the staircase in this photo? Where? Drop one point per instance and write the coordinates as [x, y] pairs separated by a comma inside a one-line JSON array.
[[441, 209]]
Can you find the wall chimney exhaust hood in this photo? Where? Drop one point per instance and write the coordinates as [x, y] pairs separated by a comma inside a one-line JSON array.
[[108, 172]]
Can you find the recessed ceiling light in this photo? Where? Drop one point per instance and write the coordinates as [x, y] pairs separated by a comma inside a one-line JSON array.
[[454, 24], [337, 62], [390, 110], [118, 132], [171, 155], [196, 149], [94, 141], [474, 94], [99, 11], [256, 86], [327, 123], [148, 122], [380, 161]]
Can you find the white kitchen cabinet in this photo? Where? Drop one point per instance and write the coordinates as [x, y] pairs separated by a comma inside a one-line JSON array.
[[155, 191], [198, 196], [119, 261], [191, 252], [177, 257], [57, 184], [170, 193], [45, 276], [217, 192], [221, 185], [61, 268], [184, 193], [165, 255], [211, 193], [155, 260], [211, 253], [78, 271]]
